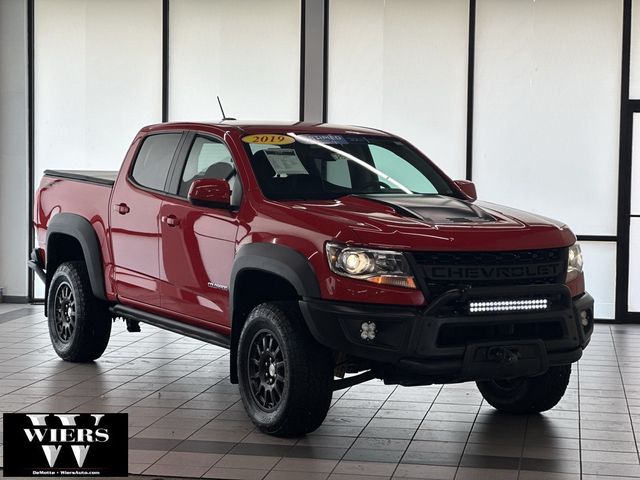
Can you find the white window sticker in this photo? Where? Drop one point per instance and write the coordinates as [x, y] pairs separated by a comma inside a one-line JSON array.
[[285, 161]]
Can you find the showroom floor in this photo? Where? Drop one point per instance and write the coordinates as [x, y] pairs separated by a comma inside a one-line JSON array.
[[187, 420]]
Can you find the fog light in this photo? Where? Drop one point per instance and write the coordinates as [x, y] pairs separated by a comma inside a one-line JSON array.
[[368, 331], [584, 318]]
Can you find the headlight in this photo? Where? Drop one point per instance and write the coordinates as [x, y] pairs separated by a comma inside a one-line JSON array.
[[574, 266], [383, 267]]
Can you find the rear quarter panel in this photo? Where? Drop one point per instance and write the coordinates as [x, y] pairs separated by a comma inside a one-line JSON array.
[[89, 200]]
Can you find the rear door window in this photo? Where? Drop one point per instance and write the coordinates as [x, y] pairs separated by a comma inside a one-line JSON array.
[[153, 162]]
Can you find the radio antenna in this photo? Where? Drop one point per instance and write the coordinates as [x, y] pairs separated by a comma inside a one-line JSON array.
[[224, 117]]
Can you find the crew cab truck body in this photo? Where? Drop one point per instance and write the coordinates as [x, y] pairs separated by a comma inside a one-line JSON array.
[[322, 256]]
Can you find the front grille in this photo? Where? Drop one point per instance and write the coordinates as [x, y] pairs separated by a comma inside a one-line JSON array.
[[442, 271]]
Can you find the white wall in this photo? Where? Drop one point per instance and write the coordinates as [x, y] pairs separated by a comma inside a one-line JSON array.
[[13, 148], [547, 114], [98, 69], [401, 65], [247, 52]]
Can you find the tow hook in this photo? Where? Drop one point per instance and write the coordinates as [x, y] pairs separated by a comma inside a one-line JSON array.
[[503, 355]]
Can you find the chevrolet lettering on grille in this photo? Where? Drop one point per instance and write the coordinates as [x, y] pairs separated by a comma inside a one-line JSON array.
[[497, 272]]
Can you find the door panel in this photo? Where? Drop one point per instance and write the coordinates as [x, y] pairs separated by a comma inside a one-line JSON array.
[[197, 255], [135, 231], [135, 240]]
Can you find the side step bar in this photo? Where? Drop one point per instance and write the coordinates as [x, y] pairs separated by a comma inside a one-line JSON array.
[[36, 265], [130, 313]]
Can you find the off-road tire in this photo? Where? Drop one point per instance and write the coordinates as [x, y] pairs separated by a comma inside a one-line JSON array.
[[86, 336], [527, 395], [306, 370]]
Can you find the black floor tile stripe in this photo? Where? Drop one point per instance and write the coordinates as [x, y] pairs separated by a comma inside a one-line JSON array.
[[18, 313]]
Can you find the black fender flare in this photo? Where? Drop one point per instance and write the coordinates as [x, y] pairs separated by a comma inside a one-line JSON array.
[[280, 260], [79, 228]]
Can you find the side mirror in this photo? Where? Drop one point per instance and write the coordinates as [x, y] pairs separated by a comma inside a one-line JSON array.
[[210, 192], [468, 188]]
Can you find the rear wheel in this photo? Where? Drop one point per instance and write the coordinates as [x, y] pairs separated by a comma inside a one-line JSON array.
[[79, 323], [527, 394], [285, 376]]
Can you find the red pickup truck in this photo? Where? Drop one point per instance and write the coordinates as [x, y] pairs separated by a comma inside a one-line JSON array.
[[321, 256]]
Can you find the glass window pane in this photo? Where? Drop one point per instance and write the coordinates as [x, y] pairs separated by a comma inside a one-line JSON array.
[[634, 67], [634, 266], [246, 52], [208, 158], [152, 164], [600, 276], [401, 65], [547, 109], [98, 80], [338, 172], [635, 166], [400, 170]]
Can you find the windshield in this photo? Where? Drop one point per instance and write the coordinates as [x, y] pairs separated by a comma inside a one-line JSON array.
[[325, 166]]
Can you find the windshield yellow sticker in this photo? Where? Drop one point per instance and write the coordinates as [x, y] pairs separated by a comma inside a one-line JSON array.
[[268, 139]]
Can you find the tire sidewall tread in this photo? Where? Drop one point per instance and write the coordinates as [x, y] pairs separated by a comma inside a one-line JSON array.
[[308, 372], [93, 322]]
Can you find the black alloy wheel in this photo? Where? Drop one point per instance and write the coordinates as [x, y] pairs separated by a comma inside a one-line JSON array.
[[65, 312], [266, 370], [79, 323]]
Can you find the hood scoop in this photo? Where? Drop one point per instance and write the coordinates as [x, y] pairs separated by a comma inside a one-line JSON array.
[[434, 209]]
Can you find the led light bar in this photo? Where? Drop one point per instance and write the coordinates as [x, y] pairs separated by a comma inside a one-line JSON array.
[[497, 306]]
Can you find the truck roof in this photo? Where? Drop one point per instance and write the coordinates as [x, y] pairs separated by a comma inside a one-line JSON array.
[[264, 126]]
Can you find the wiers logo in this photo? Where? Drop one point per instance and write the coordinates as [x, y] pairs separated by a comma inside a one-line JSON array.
[[65, 435], [65, 444]]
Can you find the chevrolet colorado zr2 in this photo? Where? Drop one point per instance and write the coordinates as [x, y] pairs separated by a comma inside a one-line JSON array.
[[321, 256]]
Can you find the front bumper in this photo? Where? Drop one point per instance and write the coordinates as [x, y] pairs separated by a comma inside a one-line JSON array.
[[444, 343]]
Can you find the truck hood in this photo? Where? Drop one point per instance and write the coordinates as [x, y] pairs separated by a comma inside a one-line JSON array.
[[435, 222]]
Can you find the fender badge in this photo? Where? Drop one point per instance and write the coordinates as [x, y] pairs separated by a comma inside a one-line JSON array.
[[217, 286]]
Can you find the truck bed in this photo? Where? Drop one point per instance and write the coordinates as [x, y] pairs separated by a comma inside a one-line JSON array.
[[102, 177]]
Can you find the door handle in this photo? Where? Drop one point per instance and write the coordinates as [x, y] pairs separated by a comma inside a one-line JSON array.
[[122, 208], [170, 220]]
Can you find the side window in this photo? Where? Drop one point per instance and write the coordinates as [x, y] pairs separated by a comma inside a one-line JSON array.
[[338, 172], [208, 158], [154, 160], [400, 170]]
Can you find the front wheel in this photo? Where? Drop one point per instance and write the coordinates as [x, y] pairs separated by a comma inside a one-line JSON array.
[[527, 394], [285, 376], [79, 323]]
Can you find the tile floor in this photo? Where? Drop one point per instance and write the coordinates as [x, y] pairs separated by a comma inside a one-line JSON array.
[[187, 420]]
